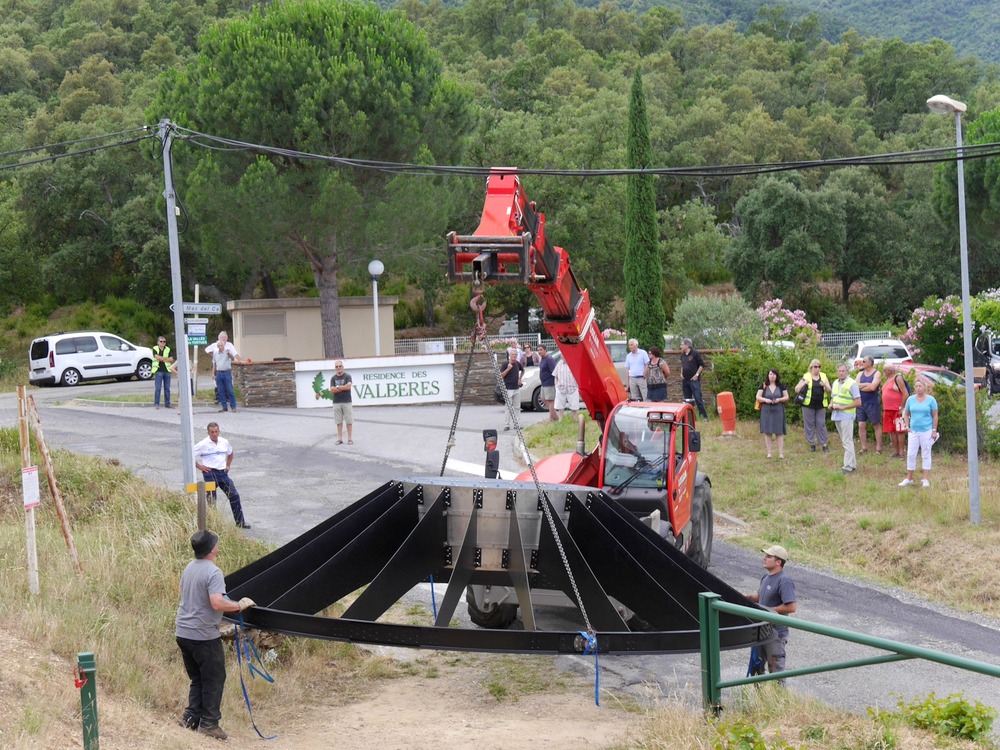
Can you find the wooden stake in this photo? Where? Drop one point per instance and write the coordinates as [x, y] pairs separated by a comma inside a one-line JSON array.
[[54, 487], [29, 513]]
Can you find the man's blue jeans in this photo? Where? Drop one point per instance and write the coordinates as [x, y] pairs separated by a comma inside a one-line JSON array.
[[162, 381], [692, 392], [224, 483], [224, 385]]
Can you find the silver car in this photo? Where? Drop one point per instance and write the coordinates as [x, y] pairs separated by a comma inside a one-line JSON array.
[[531, 384]]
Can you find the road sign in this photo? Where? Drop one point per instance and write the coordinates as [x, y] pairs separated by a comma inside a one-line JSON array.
[[197, 340], [203, 308], [189, 321]]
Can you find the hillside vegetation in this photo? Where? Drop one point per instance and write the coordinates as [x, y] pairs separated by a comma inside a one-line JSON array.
[[536, 85]]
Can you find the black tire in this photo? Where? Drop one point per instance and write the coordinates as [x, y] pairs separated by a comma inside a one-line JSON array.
[[536, 400], [496, 617], [70, 377], [702, 525], [144, 371]]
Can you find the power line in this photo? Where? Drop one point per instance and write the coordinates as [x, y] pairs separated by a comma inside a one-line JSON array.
[[924, 156], [221, 144], [67, 154]]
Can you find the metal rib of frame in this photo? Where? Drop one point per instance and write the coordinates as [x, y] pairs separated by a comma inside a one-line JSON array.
[[391, 540]]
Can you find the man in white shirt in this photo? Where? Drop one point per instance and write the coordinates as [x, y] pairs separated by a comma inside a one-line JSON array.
[[636, 361], [567, 391], [223, 355], [212, 457]]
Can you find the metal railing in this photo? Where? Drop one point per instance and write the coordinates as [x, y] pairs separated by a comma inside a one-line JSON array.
[[451, 344], [712, 684], [840, 343]]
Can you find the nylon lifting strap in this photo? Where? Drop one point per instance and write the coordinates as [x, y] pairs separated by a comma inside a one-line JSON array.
[[247, 652]]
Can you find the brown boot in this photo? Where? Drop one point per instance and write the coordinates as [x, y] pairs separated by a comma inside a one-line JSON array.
[[215, 731]]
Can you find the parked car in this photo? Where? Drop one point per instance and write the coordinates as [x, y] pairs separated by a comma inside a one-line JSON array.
[[933, 375], [531, 385], [69, 358], [986, 353], [880, 350], [510, 326]]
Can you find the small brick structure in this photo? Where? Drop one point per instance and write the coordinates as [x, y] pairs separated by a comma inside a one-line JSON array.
[[262, 384]]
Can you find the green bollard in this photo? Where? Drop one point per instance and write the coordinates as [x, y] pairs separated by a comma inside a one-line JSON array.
[[87, 682]]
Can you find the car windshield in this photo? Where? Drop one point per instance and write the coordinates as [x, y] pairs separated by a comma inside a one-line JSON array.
[[885, 351], [943, 377], [634, 455]]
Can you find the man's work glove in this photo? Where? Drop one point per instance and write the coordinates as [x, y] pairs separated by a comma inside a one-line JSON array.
[[246, 602]]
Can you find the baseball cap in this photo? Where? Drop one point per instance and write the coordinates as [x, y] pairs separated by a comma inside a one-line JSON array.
[[776, 550]]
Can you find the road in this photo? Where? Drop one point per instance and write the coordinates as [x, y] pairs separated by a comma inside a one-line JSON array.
[[292, 476]]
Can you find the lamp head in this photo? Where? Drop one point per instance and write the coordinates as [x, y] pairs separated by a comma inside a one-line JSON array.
[[376, 269], [945, 105]]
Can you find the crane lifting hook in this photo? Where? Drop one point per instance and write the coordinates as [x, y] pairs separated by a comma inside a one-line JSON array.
[[478, 304]]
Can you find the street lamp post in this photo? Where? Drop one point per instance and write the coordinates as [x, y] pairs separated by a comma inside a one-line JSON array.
[[943, 105], [376, 269]]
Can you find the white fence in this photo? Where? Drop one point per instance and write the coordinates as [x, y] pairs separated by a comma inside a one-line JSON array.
[[840, 343], [451, 344]]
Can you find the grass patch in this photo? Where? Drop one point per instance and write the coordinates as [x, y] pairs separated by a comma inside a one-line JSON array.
[[132, 541], [508, 677]]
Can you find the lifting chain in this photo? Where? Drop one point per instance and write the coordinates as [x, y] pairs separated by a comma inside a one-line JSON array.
[[478, 339]]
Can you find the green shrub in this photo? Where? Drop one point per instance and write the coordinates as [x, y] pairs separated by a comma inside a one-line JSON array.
[[952, 716], [717, 322], [951, 423], [743, 372], [742, 735], [934, 334]]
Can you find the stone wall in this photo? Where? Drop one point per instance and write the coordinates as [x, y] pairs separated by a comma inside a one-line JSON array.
[[265, 383], [273, 383]]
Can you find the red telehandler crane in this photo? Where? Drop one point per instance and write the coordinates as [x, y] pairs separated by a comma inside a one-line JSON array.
[[647, 458]]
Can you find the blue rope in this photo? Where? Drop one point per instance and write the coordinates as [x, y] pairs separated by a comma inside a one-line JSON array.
[[591, 648], [756, 661], [434, 604], [249, 656]]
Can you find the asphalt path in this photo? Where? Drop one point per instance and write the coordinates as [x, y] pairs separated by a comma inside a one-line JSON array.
[[292, 476]]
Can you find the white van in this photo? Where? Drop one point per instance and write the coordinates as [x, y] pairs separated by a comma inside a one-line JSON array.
[[69, 358]]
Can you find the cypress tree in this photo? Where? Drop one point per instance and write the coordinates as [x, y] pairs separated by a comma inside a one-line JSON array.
[[643, 269]]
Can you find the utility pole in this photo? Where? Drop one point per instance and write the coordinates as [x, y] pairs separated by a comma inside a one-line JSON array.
[[180, 343]]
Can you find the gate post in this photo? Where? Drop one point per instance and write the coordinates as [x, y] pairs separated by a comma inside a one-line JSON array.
[[711, 675], [87, 667]]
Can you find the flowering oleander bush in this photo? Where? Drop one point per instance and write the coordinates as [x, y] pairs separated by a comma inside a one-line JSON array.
[[986, 311], [782, 324], [934, 333], [613, 334]]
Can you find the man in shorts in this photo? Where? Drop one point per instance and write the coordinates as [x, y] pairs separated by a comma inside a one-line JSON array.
[[546, 365], [870, 412], [567, 391], [777, 593], [343, 409]]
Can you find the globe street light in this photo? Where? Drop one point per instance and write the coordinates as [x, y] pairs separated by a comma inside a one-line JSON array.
[[944, 105], [376, 269]]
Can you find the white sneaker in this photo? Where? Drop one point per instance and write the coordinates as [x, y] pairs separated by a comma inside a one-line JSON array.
[[906, 483], [924, 483]]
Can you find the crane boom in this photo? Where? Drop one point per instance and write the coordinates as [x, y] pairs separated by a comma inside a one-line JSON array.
[[510, 246]]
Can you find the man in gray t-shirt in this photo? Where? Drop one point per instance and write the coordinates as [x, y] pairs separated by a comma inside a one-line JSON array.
[[777, 593], [203, 602]]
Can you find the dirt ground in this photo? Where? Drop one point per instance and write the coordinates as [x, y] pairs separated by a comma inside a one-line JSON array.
[[450, 710]]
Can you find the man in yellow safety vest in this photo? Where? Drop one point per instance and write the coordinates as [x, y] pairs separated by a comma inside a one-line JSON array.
[[161, 370], [845, 398]]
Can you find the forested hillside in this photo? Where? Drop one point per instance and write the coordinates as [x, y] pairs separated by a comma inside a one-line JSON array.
[[537, 84], [972, 27]]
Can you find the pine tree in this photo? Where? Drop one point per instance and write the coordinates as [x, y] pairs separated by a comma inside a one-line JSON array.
[[643, 269]]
